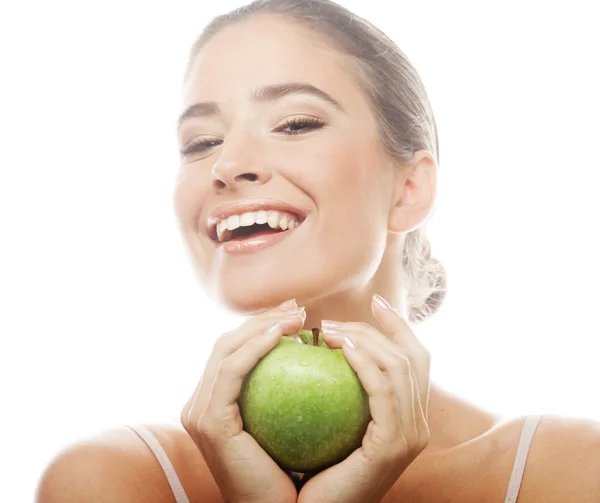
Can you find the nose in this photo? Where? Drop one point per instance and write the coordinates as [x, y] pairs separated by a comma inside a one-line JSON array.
[[239, 164]]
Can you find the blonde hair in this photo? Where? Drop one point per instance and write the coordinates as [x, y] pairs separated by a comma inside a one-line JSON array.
[[399, 101]]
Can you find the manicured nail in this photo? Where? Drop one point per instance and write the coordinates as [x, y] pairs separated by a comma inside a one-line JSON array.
[[294, 313], [288, 303], [293, 309], [380, 301], [330, 330], [349, 341], [330, 324], [272, 329]]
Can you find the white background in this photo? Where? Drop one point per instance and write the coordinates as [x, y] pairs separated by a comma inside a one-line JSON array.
[[102, 321]]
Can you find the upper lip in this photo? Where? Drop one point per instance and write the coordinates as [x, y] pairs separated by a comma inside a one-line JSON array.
[[238, 207]]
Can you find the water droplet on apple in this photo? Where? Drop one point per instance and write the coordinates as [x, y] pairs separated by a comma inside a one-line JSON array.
[[299, 418]]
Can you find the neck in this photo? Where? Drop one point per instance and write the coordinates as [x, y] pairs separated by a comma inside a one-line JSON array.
[[454, 421], [354, 303]]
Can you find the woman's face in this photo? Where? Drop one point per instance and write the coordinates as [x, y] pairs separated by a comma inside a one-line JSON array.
[[334, 175]]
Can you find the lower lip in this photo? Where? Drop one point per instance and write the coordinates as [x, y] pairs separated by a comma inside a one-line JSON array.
[[254, 244]]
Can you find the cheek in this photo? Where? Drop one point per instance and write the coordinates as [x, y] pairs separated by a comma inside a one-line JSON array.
[[358, 196], [188, 195], [332, 168], [349, 173], [346, 183]]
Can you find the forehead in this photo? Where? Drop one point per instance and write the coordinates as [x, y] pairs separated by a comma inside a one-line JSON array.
[[265, 50]]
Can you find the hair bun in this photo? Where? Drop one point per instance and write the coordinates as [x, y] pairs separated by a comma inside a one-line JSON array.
[[433, 291], [426, 275]]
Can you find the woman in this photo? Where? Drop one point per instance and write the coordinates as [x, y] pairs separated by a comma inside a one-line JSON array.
[[303, 116]]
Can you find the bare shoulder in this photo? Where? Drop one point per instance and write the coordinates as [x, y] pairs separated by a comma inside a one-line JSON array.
[[117, 465], [563, 464]]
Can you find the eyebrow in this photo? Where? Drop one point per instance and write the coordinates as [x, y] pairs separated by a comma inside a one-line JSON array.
[[264, 94]]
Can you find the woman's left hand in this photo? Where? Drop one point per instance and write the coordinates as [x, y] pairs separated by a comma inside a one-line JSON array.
[[393, 368]]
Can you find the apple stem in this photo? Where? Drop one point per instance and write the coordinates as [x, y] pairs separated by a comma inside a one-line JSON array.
[[315, 332]]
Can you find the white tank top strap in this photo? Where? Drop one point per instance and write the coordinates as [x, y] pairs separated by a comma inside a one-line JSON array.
[[160, 454], [516, 477]]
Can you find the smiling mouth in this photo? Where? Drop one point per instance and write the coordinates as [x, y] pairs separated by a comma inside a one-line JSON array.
[[253, 224], [255, 230], [252, 239]]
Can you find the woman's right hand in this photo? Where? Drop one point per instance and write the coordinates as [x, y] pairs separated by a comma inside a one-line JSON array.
[[243, 471]]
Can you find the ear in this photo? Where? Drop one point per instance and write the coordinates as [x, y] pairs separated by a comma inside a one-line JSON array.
[[414, 193]]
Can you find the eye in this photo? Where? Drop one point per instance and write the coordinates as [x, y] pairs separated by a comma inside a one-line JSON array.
[[199, 146], [299, 125], [295, 125]]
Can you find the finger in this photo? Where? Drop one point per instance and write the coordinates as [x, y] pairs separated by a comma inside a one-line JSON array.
[[398, 370], [420, 360], [385, 349], [288, 304], [385, 354], [233, 369], [361, 330], [291, 321], [381, 392], [394, 323], [229, 343]]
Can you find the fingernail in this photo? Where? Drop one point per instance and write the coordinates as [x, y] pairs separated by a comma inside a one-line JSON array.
[[292, 310], [330, 324], [330, 330], [379, 300], [272, 329], [294, 313], [349, 341], [288, 303]]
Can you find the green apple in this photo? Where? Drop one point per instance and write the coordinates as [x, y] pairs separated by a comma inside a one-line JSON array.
[[304, 404]]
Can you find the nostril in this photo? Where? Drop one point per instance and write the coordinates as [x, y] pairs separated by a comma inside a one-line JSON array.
[[219, 184], [251, 177]]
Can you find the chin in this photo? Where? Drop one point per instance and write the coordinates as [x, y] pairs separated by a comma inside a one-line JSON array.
[[251, 300], [254, 295], [253, 289]]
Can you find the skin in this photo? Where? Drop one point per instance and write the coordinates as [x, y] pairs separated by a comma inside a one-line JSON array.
[[354, 195], [338, 173]]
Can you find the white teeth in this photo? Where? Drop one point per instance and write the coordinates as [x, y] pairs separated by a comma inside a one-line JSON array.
[[222, 225], [261, 217], [275, 219], [222, 233], [233, 222], [247, 219], [283, 222]]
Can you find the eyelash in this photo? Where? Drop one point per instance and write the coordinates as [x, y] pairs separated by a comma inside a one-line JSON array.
[[310, 122]]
